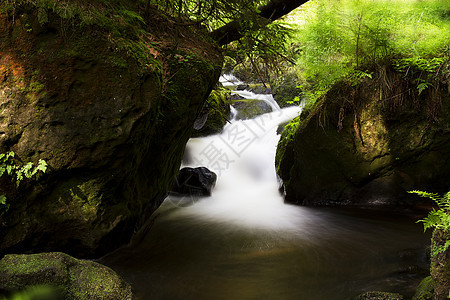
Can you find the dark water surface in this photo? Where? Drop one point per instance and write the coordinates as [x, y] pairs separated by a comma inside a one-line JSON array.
[[335, 255]]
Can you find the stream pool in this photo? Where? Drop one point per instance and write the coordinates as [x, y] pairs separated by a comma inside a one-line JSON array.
[[244, 242]]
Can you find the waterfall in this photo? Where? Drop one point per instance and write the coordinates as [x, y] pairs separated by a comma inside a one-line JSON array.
[[242, 156], [244, 242]]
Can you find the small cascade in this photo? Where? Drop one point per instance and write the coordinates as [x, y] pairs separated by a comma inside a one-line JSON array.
[[268, 98], [244, 242], [229, 80]]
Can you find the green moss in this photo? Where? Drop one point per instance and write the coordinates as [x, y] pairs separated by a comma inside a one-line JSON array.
[[425, 290], [93, 281], [73, 278], [19, 271], [128, 34], [218, 110]]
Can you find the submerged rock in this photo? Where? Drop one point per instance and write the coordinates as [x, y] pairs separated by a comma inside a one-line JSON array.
[[368, 145], [110, 113], [64, 276], [195, 181]]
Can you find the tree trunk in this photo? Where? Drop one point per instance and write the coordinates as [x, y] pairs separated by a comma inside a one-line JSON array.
[[272, 11]]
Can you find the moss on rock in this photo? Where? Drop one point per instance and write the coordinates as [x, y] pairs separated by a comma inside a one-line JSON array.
[[360, 146], [74, 279], [109, 108], [440, 265], [425, 290], [379, 296], [216, 111]]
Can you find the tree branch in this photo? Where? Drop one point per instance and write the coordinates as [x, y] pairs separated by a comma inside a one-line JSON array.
[[272, 11]]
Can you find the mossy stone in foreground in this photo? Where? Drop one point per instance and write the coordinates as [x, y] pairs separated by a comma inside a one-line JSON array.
[[379, 296], [73, 278]]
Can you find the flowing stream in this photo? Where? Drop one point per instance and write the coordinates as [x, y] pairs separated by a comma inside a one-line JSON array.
[[244, 242]]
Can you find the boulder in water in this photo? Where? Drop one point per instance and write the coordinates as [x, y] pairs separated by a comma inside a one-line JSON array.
[[242, 87], [250, 108], [195, 181]]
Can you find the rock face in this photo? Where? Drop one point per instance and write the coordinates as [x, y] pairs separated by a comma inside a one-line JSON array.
[[368, 145], [109, 113], [69, 278], [440, 265], [195, 181], [214, 114]]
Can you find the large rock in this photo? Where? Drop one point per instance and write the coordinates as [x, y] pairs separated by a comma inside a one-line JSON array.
[[440, 264], [67, 277], [195, 181], [368, 145], [109, 109]]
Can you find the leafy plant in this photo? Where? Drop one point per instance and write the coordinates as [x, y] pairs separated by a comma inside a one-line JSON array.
[[18, 172], [339, 40], [437, 219]]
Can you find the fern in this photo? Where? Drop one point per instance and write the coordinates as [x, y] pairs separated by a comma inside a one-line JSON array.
[[437, 219], [18, 172]]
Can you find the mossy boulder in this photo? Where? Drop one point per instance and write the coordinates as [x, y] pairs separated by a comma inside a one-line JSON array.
[[250, 108], [380, 296], [107, 95], [285, 89], [367, 145], [215, 113], [425, 290], [440, 264], [67, 277]]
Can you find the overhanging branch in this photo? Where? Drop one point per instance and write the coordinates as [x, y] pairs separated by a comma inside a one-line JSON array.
[[272, 11]]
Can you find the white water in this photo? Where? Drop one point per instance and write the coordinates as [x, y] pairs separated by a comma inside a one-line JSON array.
[[243, 157], [229, 80], [268, 98]]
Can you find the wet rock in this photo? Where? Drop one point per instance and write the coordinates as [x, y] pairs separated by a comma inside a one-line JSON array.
[[248, 108], [65, 276], [260, 89], [195, 181], [242, 87], [215, 114]]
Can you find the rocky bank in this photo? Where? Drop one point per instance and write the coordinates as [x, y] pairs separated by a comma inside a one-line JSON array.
[[107, 96]]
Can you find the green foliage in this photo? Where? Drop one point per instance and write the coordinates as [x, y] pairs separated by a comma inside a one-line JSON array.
[[18, 172], [437, 219], [336, 40]]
